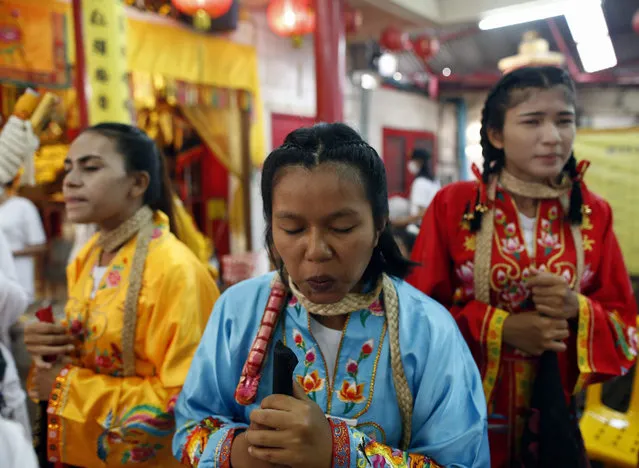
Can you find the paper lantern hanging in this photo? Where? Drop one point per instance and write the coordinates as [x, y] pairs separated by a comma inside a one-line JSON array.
[[394, 40], [291, 18], [425, 47], [213, 8]]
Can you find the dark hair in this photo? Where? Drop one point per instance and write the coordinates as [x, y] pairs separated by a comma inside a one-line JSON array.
[[140, 153], [338, 143], [420, 154], [501, 98]]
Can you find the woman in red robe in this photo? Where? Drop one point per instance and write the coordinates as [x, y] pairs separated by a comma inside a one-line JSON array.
[[527, 261]]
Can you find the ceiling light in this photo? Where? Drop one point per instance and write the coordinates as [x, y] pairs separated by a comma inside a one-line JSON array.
[[597, 54]]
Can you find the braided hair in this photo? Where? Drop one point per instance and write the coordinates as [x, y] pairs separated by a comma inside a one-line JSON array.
[[338, 143], [499, 100]]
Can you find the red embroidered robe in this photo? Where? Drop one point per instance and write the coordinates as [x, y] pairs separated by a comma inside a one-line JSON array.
[[603, 342]]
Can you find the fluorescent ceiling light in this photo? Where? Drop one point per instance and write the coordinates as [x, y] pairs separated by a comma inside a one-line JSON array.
[[586, 23], [521, 14], [597, 54]]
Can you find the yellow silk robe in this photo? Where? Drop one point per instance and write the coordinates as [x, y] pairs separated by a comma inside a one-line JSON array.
[[96, 416]]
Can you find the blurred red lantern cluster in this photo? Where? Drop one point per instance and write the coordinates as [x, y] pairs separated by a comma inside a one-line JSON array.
[[394, 40], [213, 8], [425, 47], [291, 18]]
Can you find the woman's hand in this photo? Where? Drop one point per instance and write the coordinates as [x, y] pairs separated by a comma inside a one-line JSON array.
[[46, 339], [240, 457], [553, 296], [42, 381], [533, 333], [294, 432]]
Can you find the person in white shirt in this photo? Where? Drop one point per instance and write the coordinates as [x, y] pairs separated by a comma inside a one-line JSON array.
[[16, 448], [422, 190], [13, 303], [21, 225]]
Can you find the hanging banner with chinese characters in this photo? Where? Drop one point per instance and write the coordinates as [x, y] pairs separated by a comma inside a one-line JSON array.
[[106, 66]]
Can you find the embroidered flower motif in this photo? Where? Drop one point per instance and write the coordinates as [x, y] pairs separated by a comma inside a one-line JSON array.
[[515, 294], [109, 362], [512, 246], [500, 216], [351, 393], [113, 279], [311, 383], [465, 272], [548, 241], [376, 308], [352, 367], [310, 357], [298, 339], [510, 230], [295, 304], [367, 348], [157, 232], [553, 213]]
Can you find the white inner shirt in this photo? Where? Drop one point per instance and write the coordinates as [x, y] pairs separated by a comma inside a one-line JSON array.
[[328, 341], [528, 229], [98, 274]]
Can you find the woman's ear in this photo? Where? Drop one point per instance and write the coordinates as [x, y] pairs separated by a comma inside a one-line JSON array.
[[141, 181], [496, 138]]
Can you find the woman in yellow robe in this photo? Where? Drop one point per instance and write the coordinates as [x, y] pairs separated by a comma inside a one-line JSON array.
[[138, 304]]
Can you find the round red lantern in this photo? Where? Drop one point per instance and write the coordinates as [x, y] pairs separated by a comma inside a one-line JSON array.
[[213, 8], [290, 18], [635, 22], [394, 40], [353, 20], [425, 47]]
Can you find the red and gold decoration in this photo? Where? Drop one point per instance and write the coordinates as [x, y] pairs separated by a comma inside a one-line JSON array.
[[32, 44], [213, 8], [425, 47], [291, 18], [395, 40]]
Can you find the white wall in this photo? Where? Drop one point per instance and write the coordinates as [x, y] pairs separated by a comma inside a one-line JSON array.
[[287, 78]]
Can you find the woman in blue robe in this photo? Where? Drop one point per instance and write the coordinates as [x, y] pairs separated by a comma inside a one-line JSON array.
[[384, 377]]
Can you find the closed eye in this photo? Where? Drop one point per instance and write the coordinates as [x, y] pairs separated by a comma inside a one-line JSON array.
[[343, 230]]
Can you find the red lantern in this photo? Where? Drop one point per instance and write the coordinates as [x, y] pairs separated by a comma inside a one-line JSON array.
[[394, 40], [425, 47], [289, 18], [635, 22], [353, 20], [213, 8]]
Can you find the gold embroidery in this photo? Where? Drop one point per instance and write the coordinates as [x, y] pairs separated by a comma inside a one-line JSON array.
[[376, 427], [470, 243], [371, 389], [588, 244]]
